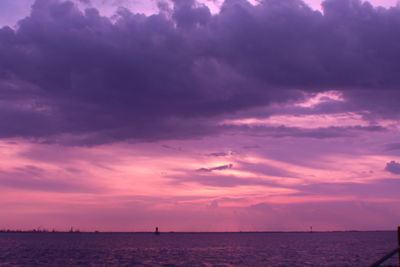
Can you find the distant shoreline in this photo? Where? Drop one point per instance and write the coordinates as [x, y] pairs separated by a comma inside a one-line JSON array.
[[172, 232]]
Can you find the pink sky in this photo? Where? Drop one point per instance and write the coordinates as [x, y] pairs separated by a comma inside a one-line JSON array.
[[268, 183], [107, 131]]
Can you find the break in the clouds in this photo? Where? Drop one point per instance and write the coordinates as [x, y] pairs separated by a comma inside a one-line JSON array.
[[76, 77]]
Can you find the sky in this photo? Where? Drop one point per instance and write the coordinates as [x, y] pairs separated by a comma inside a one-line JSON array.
[[274, 115]]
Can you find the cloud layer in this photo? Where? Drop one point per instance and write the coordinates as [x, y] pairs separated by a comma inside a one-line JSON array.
[[68, 76]]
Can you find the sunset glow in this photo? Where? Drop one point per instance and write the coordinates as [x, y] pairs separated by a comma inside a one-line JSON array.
[[230, 118]]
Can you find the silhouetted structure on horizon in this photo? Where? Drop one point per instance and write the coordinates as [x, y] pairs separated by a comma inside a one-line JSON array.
[[157, 232]]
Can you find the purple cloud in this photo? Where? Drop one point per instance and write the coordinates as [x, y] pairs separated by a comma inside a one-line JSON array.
[[393, 167], [218, 168], [74, 77]]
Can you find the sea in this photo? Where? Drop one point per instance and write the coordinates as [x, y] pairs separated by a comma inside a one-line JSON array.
[[196, 249]]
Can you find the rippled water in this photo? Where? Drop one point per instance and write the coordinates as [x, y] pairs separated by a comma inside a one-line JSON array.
[[195, 249]]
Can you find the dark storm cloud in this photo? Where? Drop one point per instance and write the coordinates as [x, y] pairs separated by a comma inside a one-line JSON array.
[[75, 77], [393, 167]]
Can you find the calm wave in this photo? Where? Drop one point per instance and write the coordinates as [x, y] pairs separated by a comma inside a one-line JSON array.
[[195, 249]]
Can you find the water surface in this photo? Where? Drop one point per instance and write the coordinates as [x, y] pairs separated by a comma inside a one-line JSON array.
[[195, 249]]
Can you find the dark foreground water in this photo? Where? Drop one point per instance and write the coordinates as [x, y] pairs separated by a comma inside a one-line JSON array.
[[195, 249]]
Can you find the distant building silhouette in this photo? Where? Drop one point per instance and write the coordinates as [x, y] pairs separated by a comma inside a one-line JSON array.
[[157, 232]]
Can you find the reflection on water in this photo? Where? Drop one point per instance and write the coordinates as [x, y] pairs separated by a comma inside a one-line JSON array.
[[195, 249]]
